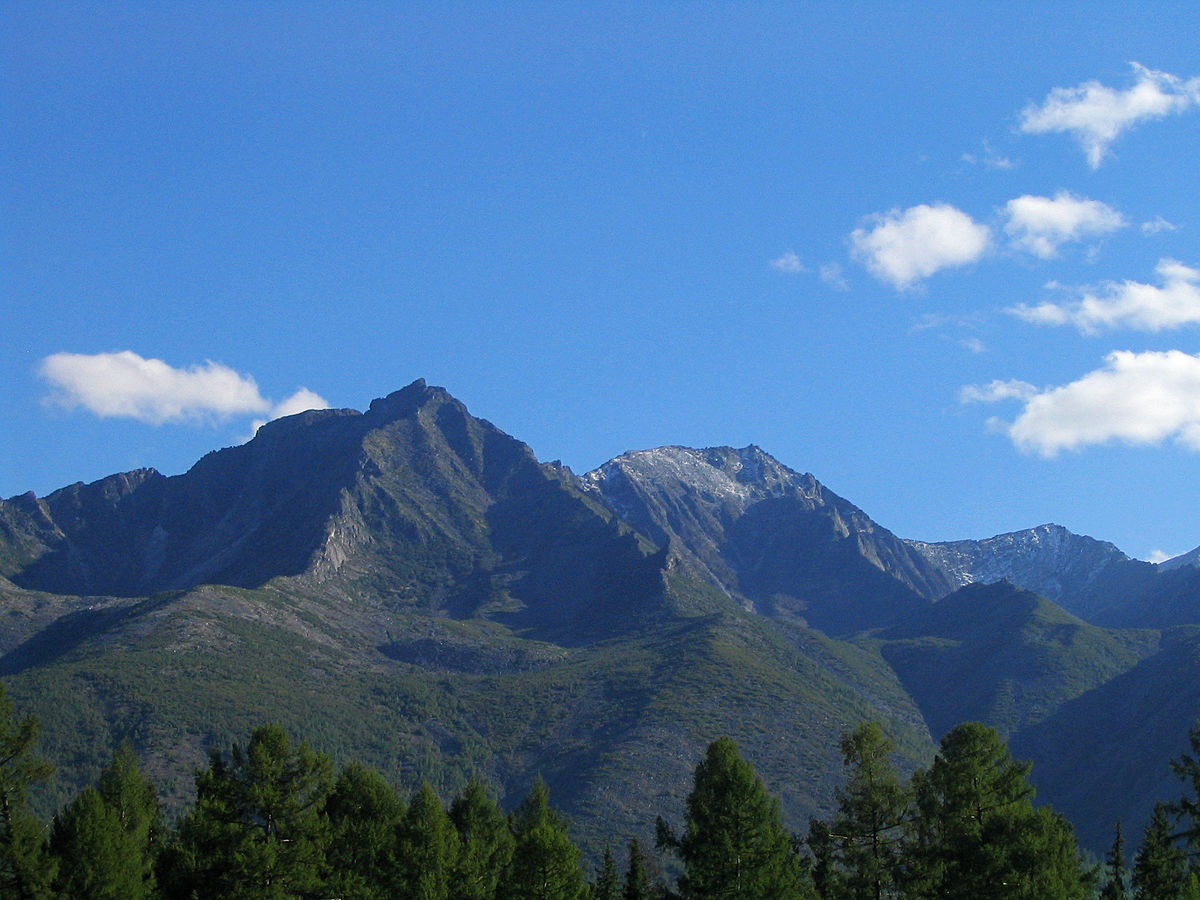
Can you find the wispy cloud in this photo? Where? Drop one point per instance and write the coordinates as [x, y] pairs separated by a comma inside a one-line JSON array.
[[833, 275], [1136, 398], [1097, 115], [126, 385], [989, 159], [1127, 304], [996, 391], [1040, 225], [1158, 224], [789, 263], [903, 247]]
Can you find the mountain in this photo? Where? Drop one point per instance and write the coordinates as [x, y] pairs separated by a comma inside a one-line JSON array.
[[774, 540], [1191, 558], [1081, 574], [411, 587]]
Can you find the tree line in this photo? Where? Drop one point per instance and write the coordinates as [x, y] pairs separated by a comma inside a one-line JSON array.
[[273, 819]]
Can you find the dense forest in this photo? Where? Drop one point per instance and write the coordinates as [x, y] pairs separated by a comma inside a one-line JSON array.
[[273, 819]]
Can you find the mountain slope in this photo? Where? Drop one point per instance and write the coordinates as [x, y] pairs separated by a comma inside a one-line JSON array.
[[771, 538]]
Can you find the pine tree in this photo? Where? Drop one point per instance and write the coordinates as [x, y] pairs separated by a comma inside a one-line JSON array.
[[872, 808], [1116, 871], [545, 863], [1160, 867], [26, 869], [365, 815], [1187, 767], [976, 832], [259, 830], [638, 883], [607, 885], [734, 845], [428, 848], [485, 843], [107, 839]]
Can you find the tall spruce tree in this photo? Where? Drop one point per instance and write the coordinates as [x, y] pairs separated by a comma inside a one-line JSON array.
[[872, 809], [607, 885], [976, 833], [26, 868], [365, 814], [545, 862], [107, 840], [259, 829], [733, 845], [485, 843], [639, 885], [1187, 767], [1160, 867], [1116, 872], [428, 848]]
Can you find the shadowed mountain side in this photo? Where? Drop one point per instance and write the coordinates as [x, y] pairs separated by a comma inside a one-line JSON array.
[[1083, 751], [1004, 656]]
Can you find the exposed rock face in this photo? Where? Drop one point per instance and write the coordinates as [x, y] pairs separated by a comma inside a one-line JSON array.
[[1079, 573], [772, 538]]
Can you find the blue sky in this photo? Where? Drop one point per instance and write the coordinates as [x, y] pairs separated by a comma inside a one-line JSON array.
[[942, 256]]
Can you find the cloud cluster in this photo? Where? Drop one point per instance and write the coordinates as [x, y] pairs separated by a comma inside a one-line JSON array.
[[1173, 303], [1040, 225], [125, 385], [1097, 115], [903, 247], [789, 263], [1137, 398]]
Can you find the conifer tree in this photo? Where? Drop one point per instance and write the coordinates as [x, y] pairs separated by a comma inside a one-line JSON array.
[[259, 829], [733, 845], [607, 885], [976, 832], [1160, 867], [1187, 767], [1116, 872], [638, 883], [545, 863], [26, 869], [485, 843], [872, 808], [428, 848], [365, 814], [107, 839]]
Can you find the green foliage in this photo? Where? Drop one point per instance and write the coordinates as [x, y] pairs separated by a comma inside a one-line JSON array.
[[1116, 873], [976, 827], [1187, 768], [429, 848], [26, 870], [107, 841], [872, 809], [485, 843], [545, 863], [1160, 867], [365, 815], [607, 885], [733, 844], [259, 829]]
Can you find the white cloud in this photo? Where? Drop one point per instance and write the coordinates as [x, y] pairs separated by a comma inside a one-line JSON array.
[[996, 391], [1097, 115], [1040, 225], [1137, 398], [125, 385], [789, 263], [904, 247], [1158, 224], [989, 159], [832, 275], [1128, 304], [1159, 556]]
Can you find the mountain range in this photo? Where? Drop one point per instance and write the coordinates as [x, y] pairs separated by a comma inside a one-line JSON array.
[[411, 587]]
